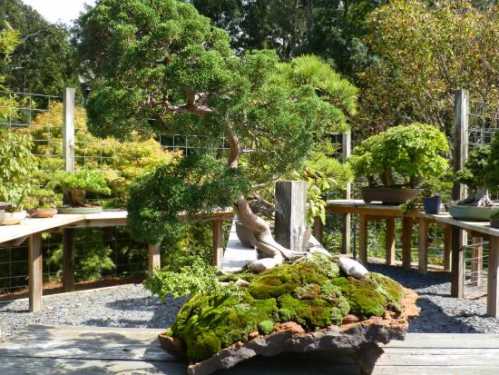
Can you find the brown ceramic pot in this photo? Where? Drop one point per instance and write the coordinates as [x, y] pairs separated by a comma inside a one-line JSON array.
[[389, 195], [42, 213]]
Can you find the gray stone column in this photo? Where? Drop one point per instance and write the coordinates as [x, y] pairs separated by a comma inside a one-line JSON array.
[[290, 216]]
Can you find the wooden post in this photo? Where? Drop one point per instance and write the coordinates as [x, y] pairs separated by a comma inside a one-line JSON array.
[[290, 221], [492, 286], [69, 130], [390, 241], [423, 246], [35, 267], [218, 243], [457, 287], [476, 259], [154, 257], [447, 247], [407, 224], [347, 223], [68, 280], [363, 238], [318, 229], [461, 146]]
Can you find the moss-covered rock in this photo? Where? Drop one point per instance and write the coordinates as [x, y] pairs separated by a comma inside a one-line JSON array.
[[310, 293]]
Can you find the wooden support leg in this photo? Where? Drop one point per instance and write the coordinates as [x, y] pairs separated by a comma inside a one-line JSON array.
[[457, 288], [318, 229], [492, 297], [68, 280], [447, 248], [35, 272], [154, 257], [476, 260], [390, 241], [363, 238], [218, 246], [407, 224], [423, 246], [346, 242]]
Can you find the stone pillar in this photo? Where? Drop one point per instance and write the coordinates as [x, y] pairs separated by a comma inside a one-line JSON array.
[[290, 215]]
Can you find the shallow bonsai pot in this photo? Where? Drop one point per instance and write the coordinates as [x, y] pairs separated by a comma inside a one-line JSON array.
[[43, 213], [4, 206], [80, 210], [494, 223], [12, 218], [472, 213], [432, 205], [389, 195]]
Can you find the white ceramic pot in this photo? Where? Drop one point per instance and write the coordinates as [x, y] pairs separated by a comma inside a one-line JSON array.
[[12, 218]]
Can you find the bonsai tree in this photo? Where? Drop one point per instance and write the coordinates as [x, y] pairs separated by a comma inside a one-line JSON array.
[[17, 167], [481, 174], [160, 65], [405, 155], [76, 185]]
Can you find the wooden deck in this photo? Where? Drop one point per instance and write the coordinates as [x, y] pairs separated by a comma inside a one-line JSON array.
[[89, 350]]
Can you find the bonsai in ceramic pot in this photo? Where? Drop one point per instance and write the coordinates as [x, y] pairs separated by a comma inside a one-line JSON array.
[[76, 187], [397, 161], [480, 175], [44, 204], [17, 167]]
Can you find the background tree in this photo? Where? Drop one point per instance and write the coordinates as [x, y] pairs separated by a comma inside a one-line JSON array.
[[43, 62], [9, 40], [425, 53], [161, 65], [332, 29]]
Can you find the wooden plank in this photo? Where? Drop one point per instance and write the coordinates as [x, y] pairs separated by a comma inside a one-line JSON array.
[[346, 151], [447, 247], [68, 280], [363, 237], [218, 242], [153, 257], [476, 260], [447, 341], [461, 125], [482, 227], [35, 267], [290, 225], [423, 246], [407, 224], [492, 285], [435, 370], [390, 241], [457, 287]]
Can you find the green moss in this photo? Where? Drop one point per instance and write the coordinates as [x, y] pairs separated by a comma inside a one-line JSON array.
[[302, 292], [285, 279], [207, 323], [266, 327], [371, 296]]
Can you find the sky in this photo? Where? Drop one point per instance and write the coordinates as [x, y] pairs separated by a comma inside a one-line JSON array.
[[63, 11]]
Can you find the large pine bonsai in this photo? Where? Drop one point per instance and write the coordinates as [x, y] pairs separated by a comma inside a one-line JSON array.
[[157, 65]]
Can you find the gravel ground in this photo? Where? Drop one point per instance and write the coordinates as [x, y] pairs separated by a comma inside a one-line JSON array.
[[127, 305], [133, 306]]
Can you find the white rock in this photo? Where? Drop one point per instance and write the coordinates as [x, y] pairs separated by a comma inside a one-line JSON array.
[[352, 268], [264, 264]]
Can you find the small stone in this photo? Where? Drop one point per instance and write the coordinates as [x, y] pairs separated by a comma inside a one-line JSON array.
[[242, 283], [350, 319], [253, 335], [352, 268], [291, 327], [264, 264]]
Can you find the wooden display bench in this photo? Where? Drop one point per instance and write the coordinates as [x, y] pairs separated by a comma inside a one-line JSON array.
[[369, 212], [32, 230]]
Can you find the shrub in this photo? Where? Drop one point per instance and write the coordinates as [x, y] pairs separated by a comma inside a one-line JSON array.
[[404, 155], [77, 184]]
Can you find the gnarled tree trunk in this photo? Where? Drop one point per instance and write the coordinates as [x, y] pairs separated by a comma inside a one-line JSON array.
[[478, 198], [265, 242]]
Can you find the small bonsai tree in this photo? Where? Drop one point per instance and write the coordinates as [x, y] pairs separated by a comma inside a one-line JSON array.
[[164, 66], [405, 155], [475, 175], [76, 185], [17, 167]]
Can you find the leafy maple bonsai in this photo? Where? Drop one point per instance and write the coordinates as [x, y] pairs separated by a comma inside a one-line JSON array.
[[158, 65]]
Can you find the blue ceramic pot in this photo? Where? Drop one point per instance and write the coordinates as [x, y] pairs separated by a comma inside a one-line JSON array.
[[432, 205]]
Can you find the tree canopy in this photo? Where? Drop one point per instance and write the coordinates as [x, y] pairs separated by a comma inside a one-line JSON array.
[[160, 65], [43, 62]]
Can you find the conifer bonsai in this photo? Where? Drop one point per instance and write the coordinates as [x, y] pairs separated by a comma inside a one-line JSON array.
[[158, 65]]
